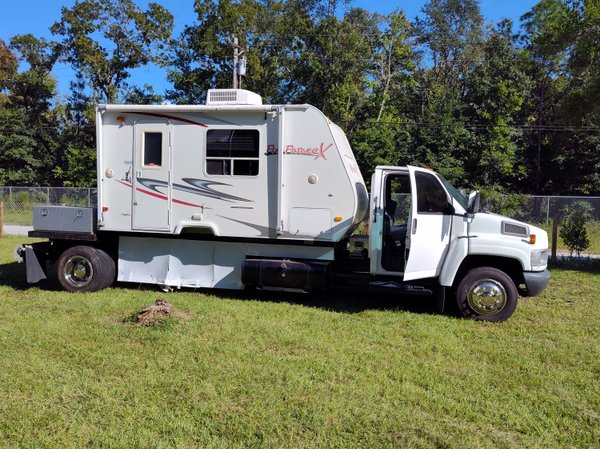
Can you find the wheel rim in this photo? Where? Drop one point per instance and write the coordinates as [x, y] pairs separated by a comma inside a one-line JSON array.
[[78, 271], [487, 297]]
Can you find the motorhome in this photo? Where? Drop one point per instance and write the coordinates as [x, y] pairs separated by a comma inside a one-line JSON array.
[[235, 194]]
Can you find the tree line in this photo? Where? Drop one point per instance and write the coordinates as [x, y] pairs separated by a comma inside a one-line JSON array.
[[501, 107]]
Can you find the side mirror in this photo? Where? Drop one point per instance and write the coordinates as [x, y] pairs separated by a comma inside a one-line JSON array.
[[474, 199]]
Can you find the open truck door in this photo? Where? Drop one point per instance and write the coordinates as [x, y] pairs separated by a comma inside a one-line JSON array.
[[429, 227], [410, 223]]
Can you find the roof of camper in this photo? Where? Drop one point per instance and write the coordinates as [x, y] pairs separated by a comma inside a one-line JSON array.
[[217, 99], [194, 107]]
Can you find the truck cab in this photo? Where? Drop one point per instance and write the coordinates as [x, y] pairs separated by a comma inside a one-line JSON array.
[[422, 228]]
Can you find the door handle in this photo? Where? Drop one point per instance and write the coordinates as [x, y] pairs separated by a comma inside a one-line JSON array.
[[414, 226], [375, 210]]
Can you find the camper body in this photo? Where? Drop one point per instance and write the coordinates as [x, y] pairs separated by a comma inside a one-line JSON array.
[[236, 193]]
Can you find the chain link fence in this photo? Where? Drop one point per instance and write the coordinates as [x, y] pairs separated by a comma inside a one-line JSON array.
[[547, 212], [18, 201], [539, 209]]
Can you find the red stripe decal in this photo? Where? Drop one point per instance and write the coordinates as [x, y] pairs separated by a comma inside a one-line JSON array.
[[186, 204], [162, 197], [181, 119]]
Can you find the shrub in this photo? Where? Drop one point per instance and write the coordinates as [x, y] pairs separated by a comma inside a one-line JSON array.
[[573, 229]]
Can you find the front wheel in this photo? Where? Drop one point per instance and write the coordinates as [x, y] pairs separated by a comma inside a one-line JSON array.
[[85, 269], [486, 294]]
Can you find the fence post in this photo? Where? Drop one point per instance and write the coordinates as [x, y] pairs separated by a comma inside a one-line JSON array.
[[554, 236], [1, 218]]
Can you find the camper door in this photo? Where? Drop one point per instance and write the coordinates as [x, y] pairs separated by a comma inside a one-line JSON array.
[[152, 175]]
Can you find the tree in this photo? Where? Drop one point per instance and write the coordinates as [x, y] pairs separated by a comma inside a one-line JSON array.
[[573, 226], [382, 135], [18, 164], [496, 89], [451, 30], [451, 34], [297, 51], [77, 162], [30, 143], [562, 38], [8, 69], [394, 63], [133, 39]]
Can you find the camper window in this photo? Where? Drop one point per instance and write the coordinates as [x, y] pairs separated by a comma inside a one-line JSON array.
[[152, 149], [232, 152]]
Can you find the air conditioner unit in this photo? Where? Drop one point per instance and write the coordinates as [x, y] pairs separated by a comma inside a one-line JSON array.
[[232, 96]]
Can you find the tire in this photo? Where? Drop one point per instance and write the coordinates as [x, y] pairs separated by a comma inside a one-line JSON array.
[[486, 294], [85, 269]]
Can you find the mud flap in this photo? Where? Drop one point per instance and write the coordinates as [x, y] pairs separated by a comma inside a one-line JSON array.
[[440, 299], [35, 265]]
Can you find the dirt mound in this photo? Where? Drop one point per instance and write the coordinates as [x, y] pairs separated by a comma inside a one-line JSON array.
[[157, 313]]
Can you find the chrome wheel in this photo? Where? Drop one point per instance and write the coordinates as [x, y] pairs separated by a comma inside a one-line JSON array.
[[487, 297], [78, 271]]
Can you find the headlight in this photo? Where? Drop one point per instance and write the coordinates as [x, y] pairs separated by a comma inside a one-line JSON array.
[[539, 259]]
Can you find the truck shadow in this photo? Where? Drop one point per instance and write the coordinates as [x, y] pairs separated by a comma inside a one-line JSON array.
[[13, 275], [335, 300], [339, 300]]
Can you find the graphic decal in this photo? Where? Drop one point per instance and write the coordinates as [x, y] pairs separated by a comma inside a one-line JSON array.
[[262, 230], [187, 120], [181, 119], [316, 152], [203, 189], [156, 188], [161, 196]]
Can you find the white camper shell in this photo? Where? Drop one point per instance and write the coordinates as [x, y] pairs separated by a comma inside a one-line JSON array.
[[220, 170], [236, 194]]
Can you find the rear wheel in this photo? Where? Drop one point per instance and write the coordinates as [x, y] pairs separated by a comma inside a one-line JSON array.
[[85, 269], [487, 294]]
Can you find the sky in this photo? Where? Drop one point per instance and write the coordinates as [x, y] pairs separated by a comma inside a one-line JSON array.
[[36, 16]]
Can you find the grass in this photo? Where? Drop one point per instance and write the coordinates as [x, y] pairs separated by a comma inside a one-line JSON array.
[[14, 216], [295, 371]]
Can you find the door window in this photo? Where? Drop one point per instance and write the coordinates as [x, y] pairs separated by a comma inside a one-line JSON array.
[[431, 196], [152, 149]]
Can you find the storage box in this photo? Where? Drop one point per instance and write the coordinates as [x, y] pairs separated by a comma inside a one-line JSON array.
[[64, 219]]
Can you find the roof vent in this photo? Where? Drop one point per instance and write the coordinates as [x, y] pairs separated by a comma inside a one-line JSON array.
[[232, 96]]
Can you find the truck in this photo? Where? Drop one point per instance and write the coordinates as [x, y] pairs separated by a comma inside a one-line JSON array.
[[237, 194]]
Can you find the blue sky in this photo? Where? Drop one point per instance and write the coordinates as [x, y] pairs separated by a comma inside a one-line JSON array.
[[36, 16]]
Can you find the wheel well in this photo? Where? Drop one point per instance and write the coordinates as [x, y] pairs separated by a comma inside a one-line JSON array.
[[512, 267], [108, 245]]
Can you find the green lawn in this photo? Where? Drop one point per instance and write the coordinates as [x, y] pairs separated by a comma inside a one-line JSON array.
[[295, 370], [16, 216]]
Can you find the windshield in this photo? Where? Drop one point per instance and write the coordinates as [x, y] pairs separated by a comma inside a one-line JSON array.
[[458, 196]]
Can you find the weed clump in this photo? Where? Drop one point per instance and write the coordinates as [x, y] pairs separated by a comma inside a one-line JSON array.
[[161, 314]]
